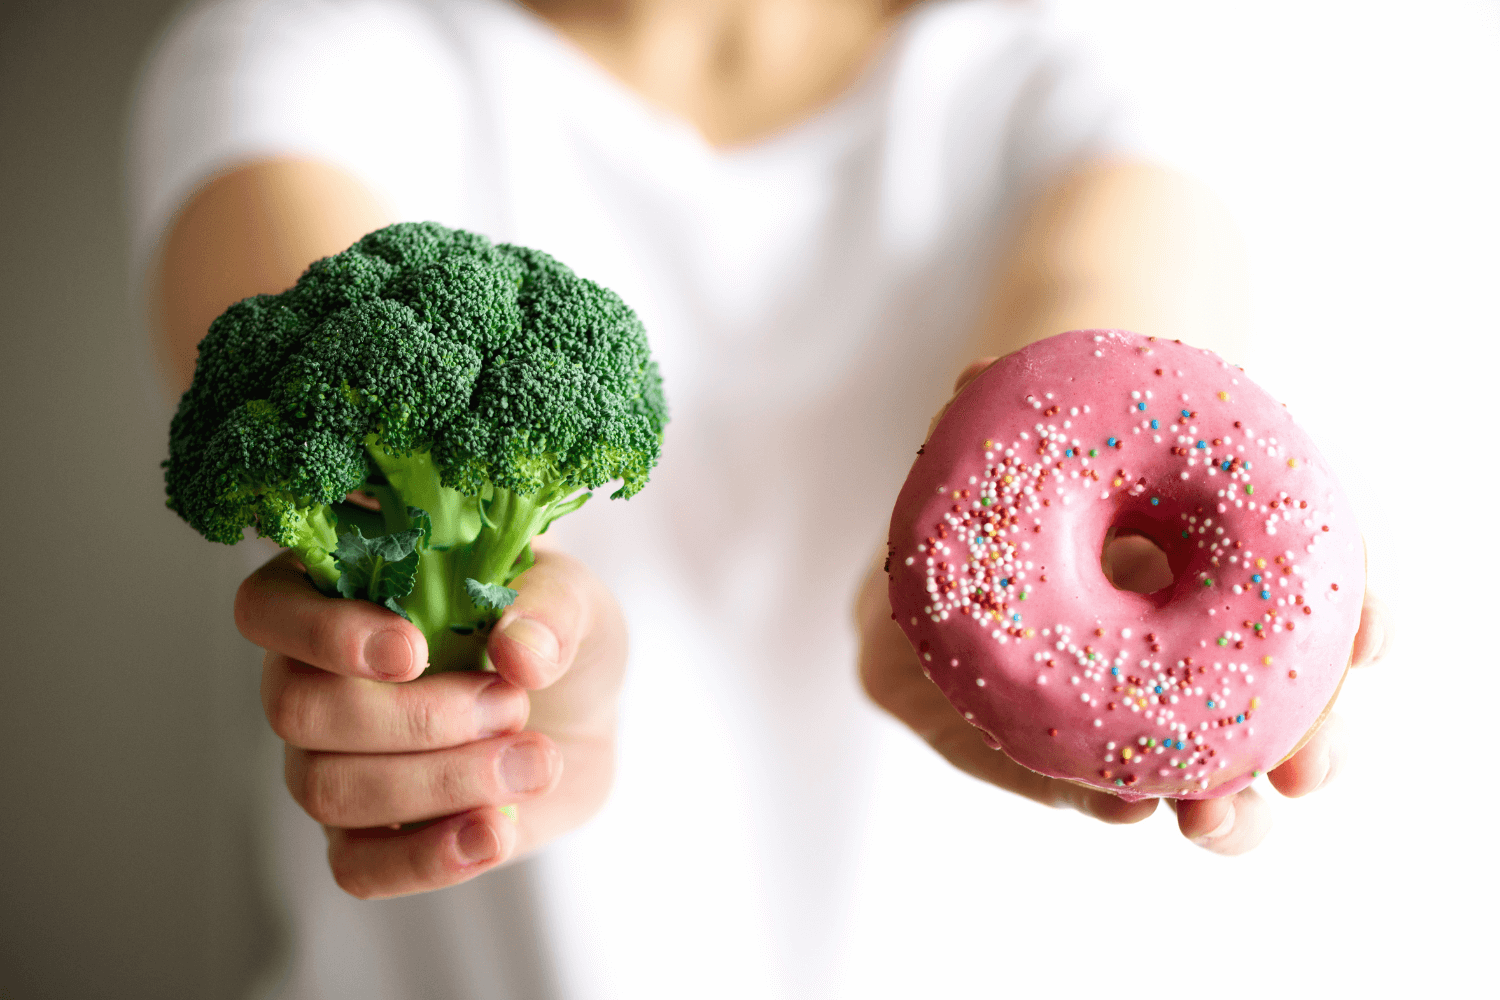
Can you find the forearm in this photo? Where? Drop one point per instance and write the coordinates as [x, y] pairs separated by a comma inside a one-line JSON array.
[[252, 230], [1121, 245]]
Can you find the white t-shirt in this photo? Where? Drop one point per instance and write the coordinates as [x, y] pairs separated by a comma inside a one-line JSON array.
[[809, 298]]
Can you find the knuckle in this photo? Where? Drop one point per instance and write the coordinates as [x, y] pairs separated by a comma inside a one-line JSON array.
[[246, 604], [421, 721], [424, 864], [878, 686], [290, 714], [348, 874], [325, 791], [334, 641], [948, 742], [451, 784]]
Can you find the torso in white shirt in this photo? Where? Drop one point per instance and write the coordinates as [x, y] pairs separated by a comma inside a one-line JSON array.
[[809, 299]]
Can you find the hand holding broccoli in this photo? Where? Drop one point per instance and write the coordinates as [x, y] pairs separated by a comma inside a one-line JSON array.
[[364, 755], [477, 393]]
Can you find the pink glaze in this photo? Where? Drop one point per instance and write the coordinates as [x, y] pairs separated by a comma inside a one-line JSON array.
[[995, 570]]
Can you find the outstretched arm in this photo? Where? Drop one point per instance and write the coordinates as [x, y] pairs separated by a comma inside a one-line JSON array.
[[374, 751], [1116, 246], [250, 231]]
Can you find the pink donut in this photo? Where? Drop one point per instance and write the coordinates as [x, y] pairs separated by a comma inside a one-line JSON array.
[[996, 576]]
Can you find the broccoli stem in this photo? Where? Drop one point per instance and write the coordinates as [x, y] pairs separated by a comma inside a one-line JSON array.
[[484, 538], [313, 542], [415, 480], [510, 522]]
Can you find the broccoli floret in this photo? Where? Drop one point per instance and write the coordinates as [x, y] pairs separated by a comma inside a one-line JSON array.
[[479, 391]]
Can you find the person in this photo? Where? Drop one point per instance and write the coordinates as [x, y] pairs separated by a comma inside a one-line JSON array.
[[822, 209]]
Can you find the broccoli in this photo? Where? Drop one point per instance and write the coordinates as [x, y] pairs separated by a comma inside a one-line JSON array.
[[479, 391]]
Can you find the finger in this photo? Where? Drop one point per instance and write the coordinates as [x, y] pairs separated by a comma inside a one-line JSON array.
[[1316, 764], [1373, 639], [893, 679], [316, 710], [279, 609], [538, 636], [380, 863], [1233, 824], [961, 745], [367, 790], [587, 775]]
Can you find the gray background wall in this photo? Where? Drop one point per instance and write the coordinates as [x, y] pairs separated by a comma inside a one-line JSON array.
[[128, 713], [1357, 144]]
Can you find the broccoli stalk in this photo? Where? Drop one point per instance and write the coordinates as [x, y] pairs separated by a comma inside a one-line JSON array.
[[479, 392]]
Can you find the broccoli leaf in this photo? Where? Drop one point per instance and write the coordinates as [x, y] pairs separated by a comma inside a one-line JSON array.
[[490, 596], [378, 569], [421, 521]]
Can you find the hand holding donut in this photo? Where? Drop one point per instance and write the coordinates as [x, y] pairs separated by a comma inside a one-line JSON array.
[[1146, 695]]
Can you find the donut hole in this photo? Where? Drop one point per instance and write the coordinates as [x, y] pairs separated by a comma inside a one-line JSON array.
[[1133, 562]]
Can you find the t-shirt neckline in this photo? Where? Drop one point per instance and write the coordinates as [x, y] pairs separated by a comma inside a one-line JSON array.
[[825, 133]]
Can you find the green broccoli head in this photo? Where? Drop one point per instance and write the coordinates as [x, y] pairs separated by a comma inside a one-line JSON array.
[[484, 386]]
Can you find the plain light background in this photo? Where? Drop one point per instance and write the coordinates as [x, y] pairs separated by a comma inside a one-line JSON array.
[[1357, 145]]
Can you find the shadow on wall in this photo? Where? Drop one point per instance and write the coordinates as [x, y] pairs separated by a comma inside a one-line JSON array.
[[131, 726]]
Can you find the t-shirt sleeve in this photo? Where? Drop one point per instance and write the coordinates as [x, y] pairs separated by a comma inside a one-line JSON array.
[[368, 86], [1066, 114], [990, 106]]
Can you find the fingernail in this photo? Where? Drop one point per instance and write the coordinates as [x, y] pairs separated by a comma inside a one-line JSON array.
[[498, 708], [477, 843], [525, 767], [388, 653], [1219, 832], [534, 636]]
